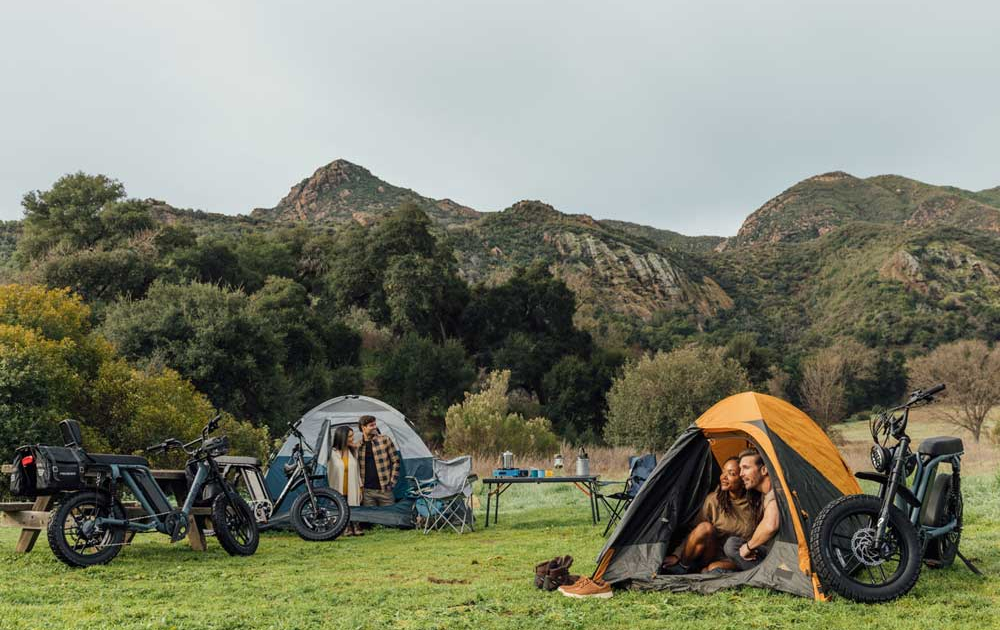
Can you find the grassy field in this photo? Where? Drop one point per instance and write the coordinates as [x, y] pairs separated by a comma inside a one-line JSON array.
[[404, 579]]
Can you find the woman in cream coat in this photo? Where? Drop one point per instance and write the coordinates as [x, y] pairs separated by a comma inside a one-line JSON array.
[[343, 473]]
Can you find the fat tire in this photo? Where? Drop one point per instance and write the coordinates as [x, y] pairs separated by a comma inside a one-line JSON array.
[[222, 529], [306, 532], [833, 580], [56, 533]]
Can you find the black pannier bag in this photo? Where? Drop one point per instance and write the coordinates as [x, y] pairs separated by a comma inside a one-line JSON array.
[[22, 477], [58, 469]]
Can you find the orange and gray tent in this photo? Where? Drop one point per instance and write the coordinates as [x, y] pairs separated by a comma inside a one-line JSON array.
[[807, 472]]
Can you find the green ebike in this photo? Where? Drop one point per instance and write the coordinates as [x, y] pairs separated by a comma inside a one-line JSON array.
[[870, 548], [89, 526]]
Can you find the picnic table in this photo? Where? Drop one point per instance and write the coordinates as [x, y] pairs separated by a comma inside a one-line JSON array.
[[32, 518], [588, 485]]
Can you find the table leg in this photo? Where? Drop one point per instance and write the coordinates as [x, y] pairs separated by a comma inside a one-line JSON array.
[[489, 497], [196, 533], [593, 506], [597, 499], [26, 541]]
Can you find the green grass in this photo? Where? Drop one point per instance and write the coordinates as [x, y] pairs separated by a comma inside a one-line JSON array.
[[399, 579]]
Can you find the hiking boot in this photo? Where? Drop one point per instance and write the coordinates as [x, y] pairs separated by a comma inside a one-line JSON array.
[[587, 587], [542, 572]]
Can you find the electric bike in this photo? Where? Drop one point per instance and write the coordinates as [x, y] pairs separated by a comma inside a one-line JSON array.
[[870, 548], [319, 513], [89, 526]]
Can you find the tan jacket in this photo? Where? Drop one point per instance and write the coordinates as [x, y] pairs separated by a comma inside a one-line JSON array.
[[335, 476]]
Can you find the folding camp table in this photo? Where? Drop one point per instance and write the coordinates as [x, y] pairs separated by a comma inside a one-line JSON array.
[[588, 485]]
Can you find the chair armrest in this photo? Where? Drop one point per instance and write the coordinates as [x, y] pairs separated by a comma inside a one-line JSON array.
[[473, 478]]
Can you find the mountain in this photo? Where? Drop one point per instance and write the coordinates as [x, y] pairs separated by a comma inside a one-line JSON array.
[[610, 270], [666, 238], [894, 286], [817, 205], [342, 191]]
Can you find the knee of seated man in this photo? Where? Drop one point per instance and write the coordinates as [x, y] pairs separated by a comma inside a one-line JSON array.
[[732, 547]]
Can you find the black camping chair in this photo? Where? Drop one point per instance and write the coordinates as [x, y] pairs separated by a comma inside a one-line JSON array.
[[639, 469]]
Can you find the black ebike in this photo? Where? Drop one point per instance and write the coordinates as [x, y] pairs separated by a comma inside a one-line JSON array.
[[870, 548], [319, 513], [89, 526]]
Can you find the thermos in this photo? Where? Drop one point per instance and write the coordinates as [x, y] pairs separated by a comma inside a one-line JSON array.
[[582, 464], [506, 459]]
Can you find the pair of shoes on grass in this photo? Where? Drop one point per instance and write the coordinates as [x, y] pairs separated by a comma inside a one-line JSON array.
[[586, 587], [552, 574]]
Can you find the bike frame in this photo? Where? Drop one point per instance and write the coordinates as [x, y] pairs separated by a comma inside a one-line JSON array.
[[150, 496], [298, 478], [894, 487]]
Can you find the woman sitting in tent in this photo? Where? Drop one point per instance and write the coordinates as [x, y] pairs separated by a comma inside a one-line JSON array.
[[343, 473], [729, 511]]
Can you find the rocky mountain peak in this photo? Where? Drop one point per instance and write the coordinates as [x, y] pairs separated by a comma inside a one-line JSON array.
[[342, 191]]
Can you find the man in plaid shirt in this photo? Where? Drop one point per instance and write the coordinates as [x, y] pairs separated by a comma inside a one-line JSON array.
[[378, 463]]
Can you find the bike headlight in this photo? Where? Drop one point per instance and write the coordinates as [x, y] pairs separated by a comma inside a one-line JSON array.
[[880, 458]]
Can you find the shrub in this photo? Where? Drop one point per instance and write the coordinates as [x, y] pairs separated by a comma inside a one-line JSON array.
[[484, 423], [660, 395]]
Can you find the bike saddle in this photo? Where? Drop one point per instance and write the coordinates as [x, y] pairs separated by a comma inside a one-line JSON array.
[[942, 445]]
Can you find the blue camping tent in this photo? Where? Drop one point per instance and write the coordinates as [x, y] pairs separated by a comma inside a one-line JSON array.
[[416, 458]]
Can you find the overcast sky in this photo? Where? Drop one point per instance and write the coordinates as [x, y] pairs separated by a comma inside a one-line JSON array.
[[685, 116]]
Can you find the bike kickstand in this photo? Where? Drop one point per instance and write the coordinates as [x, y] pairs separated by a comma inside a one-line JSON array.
[[969, 564]]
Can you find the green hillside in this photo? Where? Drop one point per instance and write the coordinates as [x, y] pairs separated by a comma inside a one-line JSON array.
[[611, 271], [889, 286], [666, 238], [815, 206]]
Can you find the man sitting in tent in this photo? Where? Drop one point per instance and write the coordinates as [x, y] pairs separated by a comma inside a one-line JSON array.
[[729, 511], [748, 553], [379, 464]]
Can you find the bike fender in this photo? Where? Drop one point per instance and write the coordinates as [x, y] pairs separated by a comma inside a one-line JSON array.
[[901, 491]]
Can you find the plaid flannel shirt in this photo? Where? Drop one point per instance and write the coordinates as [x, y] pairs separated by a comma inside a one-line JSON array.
[[386, 460]]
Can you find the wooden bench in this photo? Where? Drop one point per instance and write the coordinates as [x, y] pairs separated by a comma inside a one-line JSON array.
[[33, 518]]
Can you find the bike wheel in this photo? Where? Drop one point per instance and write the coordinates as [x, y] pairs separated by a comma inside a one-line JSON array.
[[234, 525], [324, 522], [940, 552], [848, 563], [73, 535]]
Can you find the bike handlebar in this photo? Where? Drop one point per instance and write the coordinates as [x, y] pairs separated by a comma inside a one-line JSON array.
[[924, 394]]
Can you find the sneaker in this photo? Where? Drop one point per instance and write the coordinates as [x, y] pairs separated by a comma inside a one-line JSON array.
[[587, 588]]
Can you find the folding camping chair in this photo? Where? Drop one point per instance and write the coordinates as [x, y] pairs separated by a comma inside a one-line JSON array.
[[446, 499], [639, 469]]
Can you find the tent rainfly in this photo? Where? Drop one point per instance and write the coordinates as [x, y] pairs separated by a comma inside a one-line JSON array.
[[807, 472]]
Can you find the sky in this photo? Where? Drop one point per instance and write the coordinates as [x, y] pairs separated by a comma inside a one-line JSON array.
[[681, 115]]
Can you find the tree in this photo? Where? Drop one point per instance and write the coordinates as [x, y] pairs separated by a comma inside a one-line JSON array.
[[833, 378], [971, 371], [99, 275], [78, 212], [575, 392], [53, 366], [424, 378], [755, 359], [524, 325], [397, 271], [660, 395], [483, 423], [214, 337]]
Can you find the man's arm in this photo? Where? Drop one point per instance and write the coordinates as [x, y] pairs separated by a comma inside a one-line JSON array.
[[393, 463], [766, 529]]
